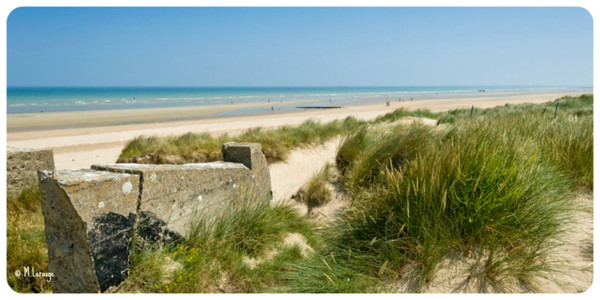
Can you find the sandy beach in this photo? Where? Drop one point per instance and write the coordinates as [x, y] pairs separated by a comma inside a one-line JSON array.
[[307, 149], [80, 139]]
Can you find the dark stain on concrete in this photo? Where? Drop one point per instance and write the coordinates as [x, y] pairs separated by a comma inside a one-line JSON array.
[[110, 243], [153, 229]]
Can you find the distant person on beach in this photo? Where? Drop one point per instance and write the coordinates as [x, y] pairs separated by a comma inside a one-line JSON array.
[[272, 108]]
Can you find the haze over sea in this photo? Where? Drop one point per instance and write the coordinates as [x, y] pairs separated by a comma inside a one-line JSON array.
[[62, 99]]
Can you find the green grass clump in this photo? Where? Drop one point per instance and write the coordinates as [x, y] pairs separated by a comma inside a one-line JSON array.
[[334, 269], [316, 191], [354, 144], [393, 148], [203, 147], [28, 200], [420, 195], [566, 140], [568, 143], [151, 268], [403, 112], [211, 257], [567, 106], [26, 241], [190, 147]]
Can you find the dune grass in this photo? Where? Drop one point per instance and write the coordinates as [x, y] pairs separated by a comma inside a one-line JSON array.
[[403, 112], [567, 106], [492, 189], [568, 142], [203, 147], [211, 259], [26, 242], [468, 191], [276, 143], [566, 139], [316, 191]]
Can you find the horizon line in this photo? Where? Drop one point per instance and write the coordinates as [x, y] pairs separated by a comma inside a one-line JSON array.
[[293, 86]]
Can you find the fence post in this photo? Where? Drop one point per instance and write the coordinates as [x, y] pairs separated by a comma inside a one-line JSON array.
[[472, 108], [556, 110]]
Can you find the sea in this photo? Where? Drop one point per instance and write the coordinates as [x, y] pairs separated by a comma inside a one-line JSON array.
[[23, 100]]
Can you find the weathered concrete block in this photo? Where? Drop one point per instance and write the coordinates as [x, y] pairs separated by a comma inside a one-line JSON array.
[[89, 219], [22, 165], [173, 197], [251, 156]]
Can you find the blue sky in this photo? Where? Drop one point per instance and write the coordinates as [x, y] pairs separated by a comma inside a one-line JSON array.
[[299, 46]]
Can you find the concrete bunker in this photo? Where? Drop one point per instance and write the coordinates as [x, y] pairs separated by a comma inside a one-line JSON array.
[[93, 216]]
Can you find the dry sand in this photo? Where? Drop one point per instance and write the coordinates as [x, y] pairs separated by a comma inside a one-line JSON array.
[[302, 164], [572, 260], [287, 177], [101, 142]]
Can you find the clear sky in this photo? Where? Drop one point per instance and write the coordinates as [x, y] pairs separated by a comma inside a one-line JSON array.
[[299, 46]]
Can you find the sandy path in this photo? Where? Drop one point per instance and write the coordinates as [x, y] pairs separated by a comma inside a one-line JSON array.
[[575, 254], [287, 177], [77, 148]]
